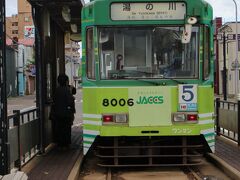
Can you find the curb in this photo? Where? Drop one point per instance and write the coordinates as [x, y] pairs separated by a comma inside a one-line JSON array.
[[76, 168], [225, 167]]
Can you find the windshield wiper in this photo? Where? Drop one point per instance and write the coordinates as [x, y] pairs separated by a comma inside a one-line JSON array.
[[150, 82], [177, 81], [162, 83]]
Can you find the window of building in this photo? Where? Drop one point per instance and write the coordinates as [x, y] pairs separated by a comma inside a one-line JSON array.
[[238, 45], [14, 32], [15, 24], [227, 47], [90, 54], [26, 19]]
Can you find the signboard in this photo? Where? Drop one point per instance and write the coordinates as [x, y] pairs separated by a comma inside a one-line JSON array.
[[29, 32], [232, 37], [187, 97], [229, 37], [148, 11], [151, 106]]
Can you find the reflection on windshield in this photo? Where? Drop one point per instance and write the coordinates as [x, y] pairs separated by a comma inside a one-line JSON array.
[[143, 52]]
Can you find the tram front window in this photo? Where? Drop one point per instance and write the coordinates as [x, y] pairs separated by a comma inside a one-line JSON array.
[[143, 52]]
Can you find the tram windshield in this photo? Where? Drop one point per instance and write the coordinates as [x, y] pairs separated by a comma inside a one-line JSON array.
[[147, 52]]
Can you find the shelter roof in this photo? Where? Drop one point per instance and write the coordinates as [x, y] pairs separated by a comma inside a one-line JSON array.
[[55, 8]]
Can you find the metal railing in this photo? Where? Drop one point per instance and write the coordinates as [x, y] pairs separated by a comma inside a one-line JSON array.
[[228, 119], [23, 136]]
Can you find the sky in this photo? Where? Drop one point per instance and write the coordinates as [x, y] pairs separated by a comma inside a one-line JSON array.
[[11, 7], [222, 8], [225, 9]]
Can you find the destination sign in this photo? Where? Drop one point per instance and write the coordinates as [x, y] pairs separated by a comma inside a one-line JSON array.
[[148, 11]]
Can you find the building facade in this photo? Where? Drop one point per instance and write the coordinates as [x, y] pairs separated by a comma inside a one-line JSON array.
[[228, 30], [25, 21], [20, 26], [12, 27], [72, 59], [20, 36]]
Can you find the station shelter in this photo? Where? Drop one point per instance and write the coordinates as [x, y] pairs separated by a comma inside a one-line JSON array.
[[52, 20]]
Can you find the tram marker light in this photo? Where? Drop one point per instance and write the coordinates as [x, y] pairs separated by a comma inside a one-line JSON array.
[[192, 117], [107, 118]]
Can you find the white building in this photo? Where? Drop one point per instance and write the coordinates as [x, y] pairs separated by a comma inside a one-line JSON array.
[[230, 30], [72, 59]]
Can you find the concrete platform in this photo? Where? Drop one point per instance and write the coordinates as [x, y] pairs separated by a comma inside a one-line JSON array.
[[229, 151], [56, 164], [227, 157]]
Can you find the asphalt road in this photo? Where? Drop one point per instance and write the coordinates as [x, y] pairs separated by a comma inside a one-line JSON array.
[[22, 102], [78, 106]]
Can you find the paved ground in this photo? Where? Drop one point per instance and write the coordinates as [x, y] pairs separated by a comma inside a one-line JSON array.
[[78, 106]]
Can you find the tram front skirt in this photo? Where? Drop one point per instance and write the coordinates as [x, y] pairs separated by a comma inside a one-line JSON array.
[[149, 151]]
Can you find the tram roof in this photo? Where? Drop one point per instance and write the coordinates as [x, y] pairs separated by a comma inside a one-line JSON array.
[[55, 8]]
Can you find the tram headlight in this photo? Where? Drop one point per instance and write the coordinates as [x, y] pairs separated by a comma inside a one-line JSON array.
[[179, 117], [121, 118]]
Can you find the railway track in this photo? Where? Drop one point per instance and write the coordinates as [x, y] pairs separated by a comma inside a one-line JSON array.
[[190, 173], [206, 171]]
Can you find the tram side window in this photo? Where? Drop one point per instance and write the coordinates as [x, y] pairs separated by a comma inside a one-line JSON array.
[[90, 54], [206, 59]]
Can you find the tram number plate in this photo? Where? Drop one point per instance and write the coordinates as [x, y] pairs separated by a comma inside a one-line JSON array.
[[187, 97], [117, 102]]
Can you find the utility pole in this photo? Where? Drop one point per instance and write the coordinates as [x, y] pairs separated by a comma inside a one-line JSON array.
[[4, 151], [224, 68], [223, 36], [237, 95], [71, 61]]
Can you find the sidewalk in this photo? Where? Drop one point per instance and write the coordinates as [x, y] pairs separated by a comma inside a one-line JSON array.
[[226, 157], [228, 151]]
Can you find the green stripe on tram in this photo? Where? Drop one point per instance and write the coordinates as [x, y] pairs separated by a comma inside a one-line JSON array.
[[91, 119], [211, 141], [91, 127], [208, 135], [89, 136], [87, 142]]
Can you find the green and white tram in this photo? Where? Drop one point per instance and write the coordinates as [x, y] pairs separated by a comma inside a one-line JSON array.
[[148, 81]]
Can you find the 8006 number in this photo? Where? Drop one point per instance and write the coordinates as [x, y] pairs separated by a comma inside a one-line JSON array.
[[114, 102]]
